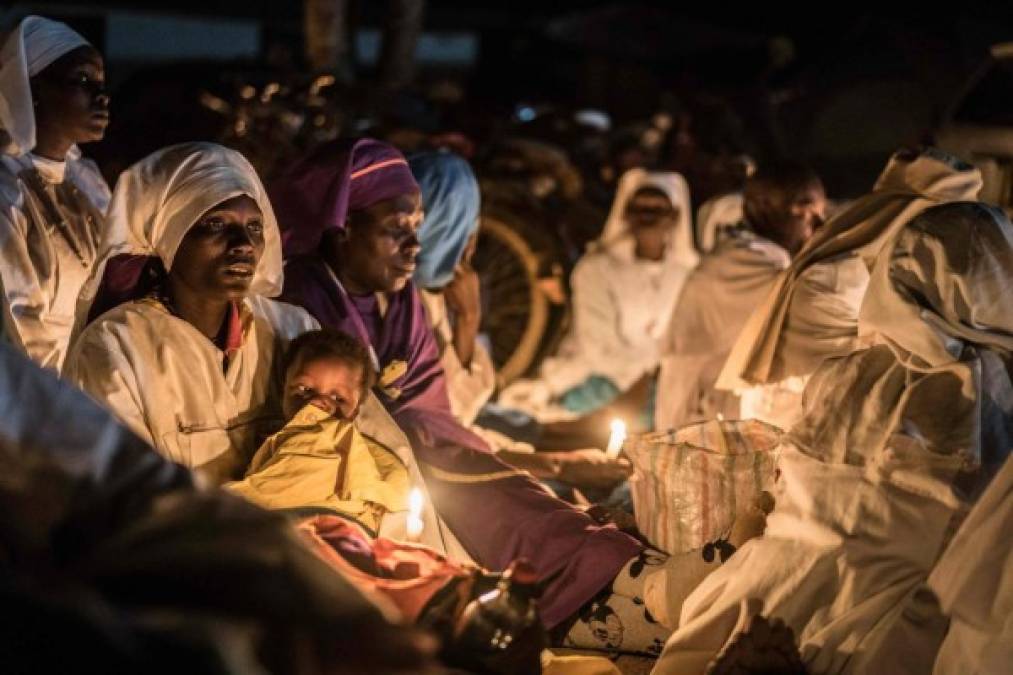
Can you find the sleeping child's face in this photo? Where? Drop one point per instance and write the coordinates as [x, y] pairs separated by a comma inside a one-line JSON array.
[[330, 383]]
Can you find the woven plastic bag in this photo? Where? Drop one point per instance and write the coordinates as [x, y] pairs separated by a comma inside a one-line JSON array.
[[688, 484]]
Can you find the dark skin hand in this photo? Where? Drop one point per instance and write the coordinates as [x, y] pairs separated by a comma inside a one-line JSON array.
[[70, 103], [464, 298], [215, 263], [592, 430]]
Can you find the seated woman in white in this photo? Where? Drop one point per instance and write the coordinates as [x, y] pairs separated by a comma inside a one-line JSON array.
[[52, 201], [624, 291], [190, 365]]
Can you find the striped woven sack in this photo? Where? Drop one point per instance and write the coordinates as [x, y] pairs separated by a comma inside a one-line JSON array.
[[687, 484]]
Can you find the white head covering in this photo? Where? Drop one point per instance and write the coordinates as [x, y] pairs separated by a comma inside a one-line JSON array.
[[158, 200], [672, 184], [947, 283], [940, 298], [28, 50], [769, 349]]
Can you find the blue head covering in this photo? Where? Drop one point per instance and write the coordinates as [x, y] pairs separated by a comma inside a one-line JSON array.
[[450, 199]]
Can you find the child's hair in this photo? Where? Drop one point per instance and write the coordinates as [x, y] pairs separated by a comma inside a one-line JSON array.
[[333, 344]]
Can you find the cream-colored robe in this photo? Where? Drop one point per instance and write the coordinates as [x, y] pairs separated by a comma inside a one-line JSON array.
[[831, 293], [974, 583], [322, 462], [715, 303], [621, 309], [811, 312], [895, 444], [165, 380], [51, 224]]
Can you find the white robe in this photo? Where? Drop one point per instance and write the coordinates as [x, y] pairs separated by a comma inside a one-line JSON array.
[[621, 310], [974, 583], [714, 305], [51, 224], [831, 292], [895, 444], [811, 313], [165, 380]]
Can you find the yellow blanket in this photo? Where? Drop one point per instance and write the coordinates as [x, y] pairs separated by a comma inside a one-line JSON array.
[[318, 461]]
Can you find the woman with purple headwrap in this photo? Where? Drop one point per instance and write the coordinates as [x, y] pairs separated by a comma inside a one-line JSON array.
[[350, 214]]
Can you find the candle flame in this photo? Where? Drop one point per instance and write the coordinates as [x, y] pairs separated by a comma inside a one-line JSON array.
[[616, 439], [415, 501]]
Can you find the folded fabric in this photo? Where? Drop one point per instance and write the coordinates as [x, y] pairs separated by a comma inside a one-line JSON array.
[[319, 461]]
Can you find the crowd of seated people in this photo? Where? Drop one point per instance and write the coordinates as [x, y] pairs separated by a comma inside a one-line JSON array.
[[240, 420]]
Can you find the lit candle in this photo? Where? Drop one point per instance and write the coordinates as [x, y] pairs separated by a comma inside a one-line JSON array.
[[415, 514], [616, 439]]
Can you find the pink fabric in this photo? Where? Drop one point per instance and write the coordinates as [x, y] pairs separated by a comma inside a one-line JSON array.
[[408, 575], [123, 279]]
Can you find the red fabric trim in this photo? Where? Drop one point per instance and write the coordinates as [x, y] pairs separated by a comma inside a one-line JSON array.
[[234, 335], [376, 167]]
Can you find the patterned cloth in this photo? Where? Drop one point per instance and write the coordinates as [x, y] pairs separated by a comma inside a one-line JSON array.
[[688, 484]]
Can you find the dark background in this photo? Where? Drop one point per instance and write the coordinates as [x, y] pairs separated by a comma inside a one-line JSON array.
[[839, 85]]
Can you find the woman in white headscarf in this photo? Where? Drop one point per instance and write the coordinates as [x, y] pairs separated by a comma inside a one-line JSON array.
[[52, 201], [811, 313], [897, 441], [624, 291], [190, 364]]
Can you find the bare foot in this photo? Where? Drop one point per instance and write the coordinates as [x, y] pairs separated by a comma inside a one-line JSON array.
[[763, 648], [752, 521]]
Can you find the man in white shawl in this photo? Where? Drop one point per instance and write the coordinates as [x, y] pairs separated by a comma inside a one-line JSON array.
[[52, 201], [897, 441], [624, 291], [784, 204], [811, 312]]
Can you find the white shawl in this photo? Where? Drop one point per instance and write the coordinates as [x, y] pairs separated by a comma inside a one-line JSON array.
[[787, 336]]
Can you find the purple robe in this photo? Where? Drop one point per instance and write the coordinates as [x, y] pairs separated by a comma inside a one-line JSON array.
[[497, 512]]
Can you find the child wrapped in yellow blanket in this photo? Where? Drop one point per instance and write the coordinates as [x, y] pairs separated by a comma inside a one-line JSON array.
[[319, 460], [320, 463]]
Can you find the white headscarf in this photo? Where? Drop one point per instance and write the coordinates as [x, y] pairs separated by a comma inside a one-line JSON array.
[[34, 45], [158, 200], [682, 249]]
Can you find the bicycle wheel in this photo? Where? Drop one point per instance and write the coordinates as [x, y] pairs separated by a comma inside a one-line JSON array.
[[514, 311]]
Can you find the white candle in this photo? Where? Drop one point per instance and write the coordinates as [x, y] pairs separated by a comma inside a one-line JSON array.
[[616, 439], [415, 514]]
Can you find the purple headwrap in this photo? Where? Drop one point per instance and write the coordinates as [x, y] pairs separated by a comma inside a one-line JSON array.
[[317, 193]]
